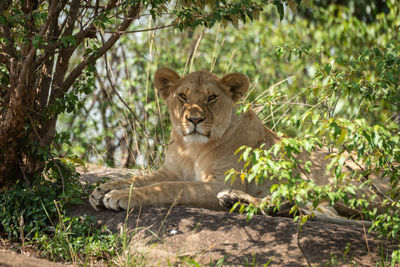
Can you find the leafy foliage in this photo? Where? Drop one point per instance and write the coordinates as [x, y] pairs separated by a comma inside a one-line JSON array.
[[30, 209], [37, 214], [353, 111]]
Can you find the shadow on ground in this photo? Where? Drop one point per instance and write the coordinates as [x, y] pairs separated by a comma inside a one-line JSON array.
[[168, 234]]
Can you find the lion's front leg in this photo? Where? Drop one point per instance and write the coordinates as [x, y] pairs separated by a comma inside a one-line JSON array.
[[194, 194], [97, 196]]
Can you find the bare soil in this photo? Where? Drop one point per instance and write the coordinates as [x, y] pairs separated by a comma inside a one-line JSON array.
[[175, 235]]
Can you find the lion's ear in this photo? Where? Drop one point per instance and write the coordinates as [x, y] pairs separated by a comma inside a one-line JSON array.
[[237, 83], [164, 79]]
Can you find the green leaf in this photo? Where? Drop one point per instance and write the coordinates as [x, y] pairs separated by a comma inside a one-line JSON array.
[[315, 118], [328, 68], [303, 220], [273, 187], [341, 138], [279, 6], [350, 190]]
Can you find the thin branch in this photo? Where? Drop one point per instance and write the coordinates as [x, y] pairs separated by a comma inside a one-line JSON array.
[[35, 130], [366, 177], [79, 37], [71, 18], [298, 238], [144, 30], [51, 36], [132, 14], [62, 26], [112, 84], [66, 53]]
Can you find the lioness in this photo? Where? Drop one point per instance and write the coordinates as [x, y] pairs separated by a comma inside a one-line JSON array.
[[206, 132]]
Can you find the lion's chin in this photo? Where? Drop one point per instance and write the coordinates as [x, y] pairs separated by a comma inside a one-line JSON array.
[[196, 138]]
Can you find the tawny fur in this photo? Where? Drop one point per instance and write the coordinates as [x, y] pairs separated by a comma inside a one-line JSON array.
[[206, 132]]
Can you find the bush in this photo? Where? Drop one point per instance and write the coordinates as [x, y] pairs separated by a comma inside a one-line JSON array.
[[27, 209]]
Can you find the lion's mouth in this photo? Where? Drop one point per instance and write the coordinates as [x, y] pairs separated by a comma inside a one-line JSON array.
[[195, 137], [194, 132]]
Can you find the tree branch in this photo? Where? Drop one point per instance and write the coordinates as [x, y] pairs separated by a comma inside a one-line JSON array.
[[5, 59], [28, 61], [53, 34], [144, 30], [66, 53], [10, 49], [71, 18], [133, 13]]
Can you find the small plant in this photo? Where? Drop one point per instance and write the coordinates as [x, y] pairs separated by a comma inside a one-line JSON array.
[[36, 215], [78, 240], [30, 208]]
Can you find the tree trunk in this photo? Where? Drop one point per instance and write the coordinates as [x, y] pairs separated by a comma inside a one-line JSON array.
[[11, 128], [27, 129], [24, 130]]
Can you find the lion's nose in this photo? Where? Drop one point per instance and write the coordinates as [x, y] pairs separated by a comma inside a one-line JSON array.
[[195, 120]]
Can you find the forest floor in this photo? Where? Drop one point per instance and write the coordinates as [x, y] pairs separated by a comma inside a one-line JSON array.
[[182, 235]]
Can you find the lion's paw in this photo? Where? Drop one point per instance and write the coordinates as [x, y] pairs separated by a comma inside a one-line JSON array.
[[227, 198], [96, 197], [116, 200]]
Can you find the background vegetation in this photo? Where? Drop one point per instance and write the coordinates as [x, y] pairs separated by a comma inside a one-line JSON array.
[[323, 73]]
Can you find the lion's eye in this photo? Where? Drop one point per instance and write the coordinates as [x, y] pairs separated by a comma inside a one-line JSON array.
[[182, 97], [212, 98]]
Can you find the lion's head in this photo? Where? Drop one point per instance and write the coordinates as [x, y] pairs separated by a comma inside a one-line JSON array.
[[200, 104]]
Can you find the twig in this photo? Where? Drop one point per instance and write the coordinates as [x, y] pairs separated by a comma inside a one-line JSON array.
[[192, 49], [112, 84], [132, 14], [150, 53], [169, 211], [23, 172], [366, 239], [143, 30], [62, 176], [34, 129], [298, 238], [365, 176]]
